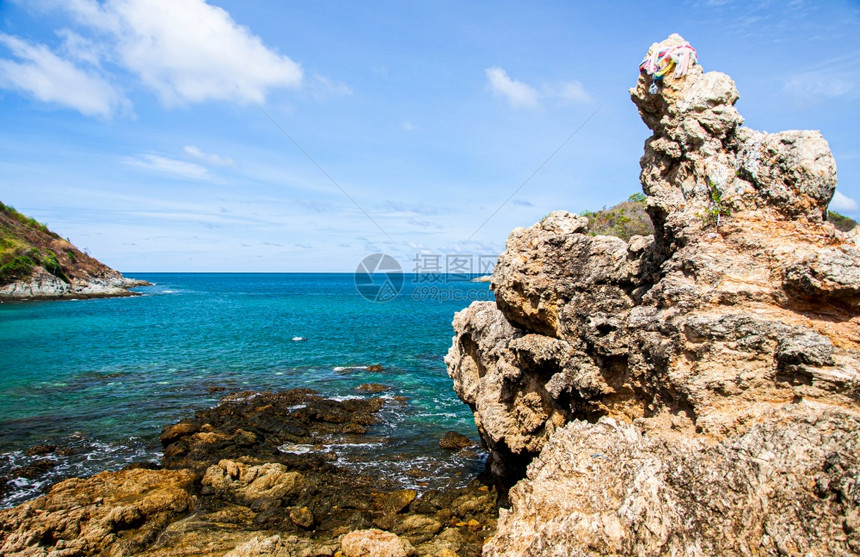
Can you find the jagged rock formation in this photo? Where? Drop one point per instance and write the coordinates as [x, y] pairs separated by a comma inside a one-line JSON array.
[[693, 392], [36, 263]]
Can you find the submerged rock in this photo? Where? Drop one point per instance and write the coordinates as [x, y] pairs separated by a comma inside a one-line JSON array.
[[373, 388], [453, 441], [617, 376]]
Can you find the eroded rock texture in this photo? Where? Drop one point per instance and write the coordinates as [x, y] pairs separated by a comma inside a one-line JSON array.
[[726, 344]]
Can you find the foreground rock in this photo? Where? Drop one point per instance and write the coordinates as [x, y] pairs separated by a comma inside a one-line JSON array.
[[112, 513], [787, 486], [696, 391], [257, 475]]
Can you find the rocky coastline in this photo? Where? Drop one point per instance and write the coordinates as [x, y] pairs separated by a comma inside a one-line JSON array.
[[259, 474], [692, 392], [49, 287]]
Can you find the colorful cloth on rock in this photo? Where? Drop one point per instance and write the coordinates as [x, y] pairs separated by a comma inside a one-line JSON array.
[[659, 62]]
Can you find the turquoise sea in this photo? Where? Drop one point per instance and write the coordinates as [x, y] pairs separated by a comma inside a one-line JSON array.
[[100, 378]]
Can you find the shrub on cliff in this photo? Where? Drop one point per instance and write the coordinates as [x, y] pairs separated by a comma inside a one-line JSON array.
[[624, 220], [841, 222]]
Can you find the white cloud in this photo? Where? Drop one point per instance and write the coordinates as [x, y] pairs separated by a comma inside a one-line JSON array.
[[168, 166], [519, 94], [842, 202], [516, 93], [403, 208], [574, 91], [189, 51], [820, 85], [326, 87], [408, 126], [316, 205], [208, 158], [80, 48], [49, 78]]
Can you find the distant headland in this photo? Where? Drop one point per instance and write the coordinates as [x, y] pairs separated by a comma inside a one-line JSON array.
[[36, 263]]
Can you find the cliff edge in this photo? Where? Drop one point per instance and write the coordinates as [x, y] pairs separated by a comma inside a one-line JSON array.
[[692, 392], [36, 263]]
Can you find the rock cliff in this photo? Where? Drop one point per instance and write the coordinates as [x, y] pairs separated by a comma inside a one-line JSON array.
[[36, 263], [692, 392]]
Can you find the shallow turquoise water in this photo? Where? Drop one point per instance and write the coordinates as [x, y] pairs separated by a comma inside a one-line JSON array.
[[107, 375]]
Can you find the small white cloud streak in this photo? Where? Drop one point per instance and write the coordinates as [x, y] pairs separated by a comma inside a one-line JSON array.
[[327, 87], [574, 92], [521, 95], [516, 93], [208, 158], [168, 166], [80, 48], [816, 85], [842, 202], [51, 79]]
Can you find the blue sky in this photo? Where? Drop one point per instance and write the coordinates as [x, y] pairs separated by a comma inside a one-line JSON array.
[[153, 133]]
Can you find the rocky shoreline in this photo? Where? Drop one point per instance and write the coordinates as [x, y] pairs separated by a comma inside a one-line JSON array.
[[259, 474], [49, 287]]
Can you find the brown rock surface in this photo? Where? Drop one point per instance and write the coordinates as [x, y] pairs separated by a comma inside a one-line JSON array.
[[453, 441], [375, 543], [112, 513], [728, 343]]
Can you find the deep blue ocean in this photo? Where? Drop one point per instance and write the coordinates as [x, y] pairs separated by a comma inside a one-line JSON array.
[[100, 378]]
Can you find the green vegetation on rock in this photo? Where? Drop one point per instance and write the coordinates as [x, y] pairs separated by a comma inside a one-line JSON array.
[[24, 247], [841, 222], [718, 208], [15, 268], [25, 220], [624, 220]]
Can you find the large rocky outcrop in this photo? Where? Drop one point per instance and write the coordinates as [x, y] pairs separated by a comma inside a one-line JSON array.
[[693, 392]]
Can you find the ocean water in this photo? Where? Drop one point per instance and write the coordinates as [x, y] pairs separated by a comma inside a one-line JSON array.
[[100, 378]]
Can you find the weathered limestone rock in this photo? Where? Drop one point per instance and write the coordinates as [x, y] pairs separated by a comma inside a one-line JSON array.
[[252, 485], [375, 543], [788, 486], [277, 546], [731, 328], [112, 513]]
